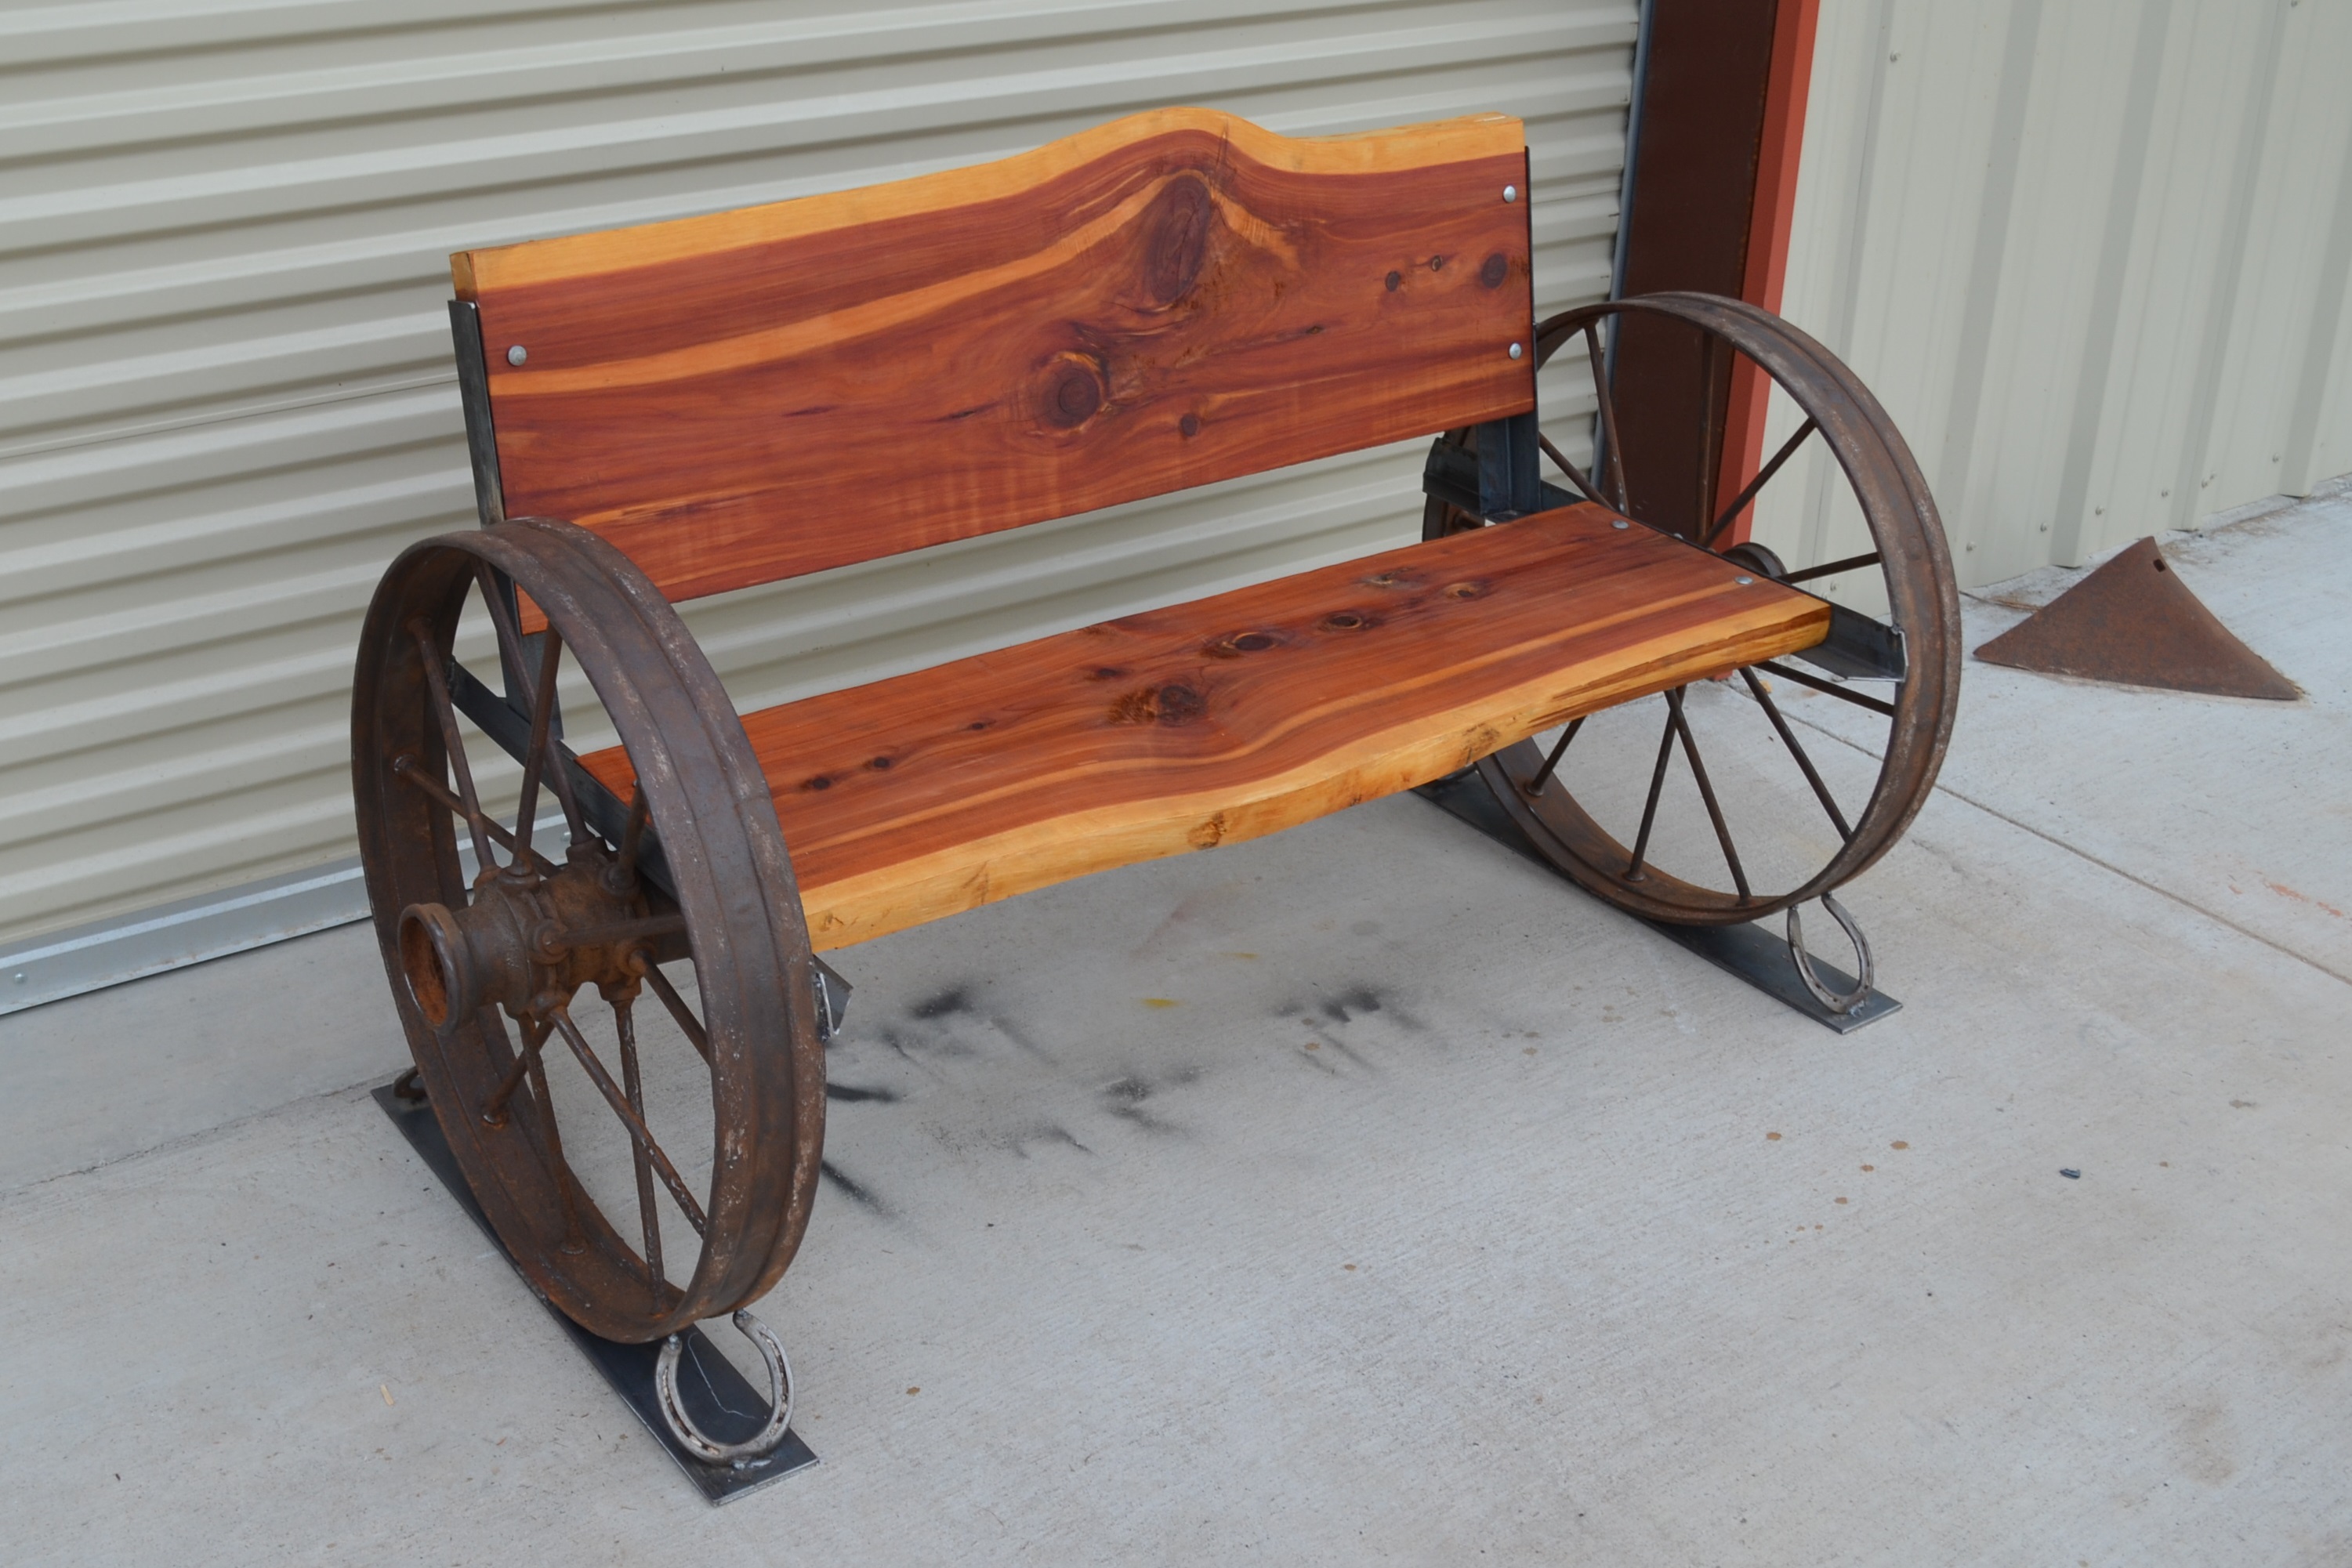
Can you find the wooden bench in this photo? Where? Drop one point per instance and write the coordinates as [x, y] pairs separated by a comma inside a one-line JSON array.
[[716, 402]]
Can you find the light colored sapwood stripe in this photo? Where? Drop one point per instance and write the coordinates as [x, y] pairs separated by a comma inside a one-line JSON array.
[[615, 250]]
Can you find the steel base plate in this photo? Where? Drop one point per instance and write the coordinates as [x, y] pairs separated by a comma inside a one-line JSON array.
[[717, 1397], [1756, 956]]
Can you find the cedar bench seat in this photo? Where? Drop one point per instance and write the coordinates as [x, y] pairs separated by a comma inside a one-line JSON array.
[[1237, 715]]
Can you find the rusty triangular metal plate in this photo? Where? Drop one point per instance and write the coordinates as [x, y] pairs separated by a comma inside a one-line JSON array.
[[2133, 621]]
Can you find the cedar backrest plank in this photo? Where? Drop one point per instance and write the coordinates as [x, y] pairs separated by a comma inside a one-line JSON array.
[[1173, 298]]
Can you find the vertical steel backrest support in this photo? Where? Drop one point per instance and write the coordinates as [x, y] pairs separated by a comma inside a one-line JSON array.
[[474, 396], [490, 501], [1510, 482]]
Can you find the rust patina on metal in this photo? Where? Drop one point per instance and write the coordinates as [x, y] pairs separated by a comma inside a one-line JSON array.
[[2134, 622], [1915, 651], [528, 935]]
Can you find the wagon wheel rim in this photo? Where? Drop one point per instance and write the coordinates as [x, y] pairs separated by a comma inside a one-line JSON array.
[[681, 903], [1531, 781]]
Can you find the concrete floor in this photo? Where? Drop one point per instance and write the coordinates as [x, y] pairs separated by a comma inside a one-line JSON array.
[[1361, 1194]]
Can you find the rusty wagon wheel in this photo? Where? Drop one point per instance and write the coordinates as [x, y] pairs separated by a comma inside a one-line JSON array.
[[1901, 674], [671, 897]]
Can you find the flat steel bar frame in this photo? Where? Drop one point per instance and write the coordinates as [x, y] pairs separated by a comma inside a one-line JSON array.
[[718, 1398], [1748, 951]]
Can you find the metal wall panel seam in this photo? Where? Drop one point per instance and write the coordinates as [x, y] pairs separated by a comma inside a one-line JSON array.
[[1989, 256], [2117, 237]]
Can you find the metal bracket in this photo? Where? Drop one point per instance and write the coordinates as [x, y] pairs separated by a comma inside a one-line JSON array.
[[1500, 480], [1860, 649], [1756, 956], [1454, 475], [711, 1394]]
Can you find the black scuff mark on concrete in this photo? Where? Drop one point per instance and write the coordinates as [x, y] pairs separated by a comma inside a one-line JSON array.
[[1328, 1020], [1125, 1100], [959, 1000], [851, 1190], [1362, 999], [914, 1047], [849, 1095], [1044, 1132], [1331, 1038], [1003, 1026], [945, 1003], [1313, 1059]]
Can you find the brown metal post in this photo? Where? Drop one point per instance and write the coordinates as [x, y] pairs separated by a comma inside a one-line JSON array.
[[1714, 186]]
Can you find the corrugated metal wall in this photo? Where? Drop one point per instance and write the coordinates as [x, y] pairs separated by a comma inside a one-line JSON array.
[[225, 394], [2092, 253]]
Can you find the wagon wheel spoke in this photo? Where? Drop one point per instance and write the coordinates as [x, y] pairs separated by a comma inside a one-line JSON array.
[[1763, 477], [688, 1025], [1576, 475], [436, 682], [1553, 453], [1552, 763], [494, 1109], [1616, 455], [1789, 739], [543, 708], [644, 1139], [1828, 688], [633, 834], [1711, 432], [407, 768], [620, 933], [528, 1064], [1657, 784], [632, 1084], [1851, 563], [1706, 793], [542, 705]]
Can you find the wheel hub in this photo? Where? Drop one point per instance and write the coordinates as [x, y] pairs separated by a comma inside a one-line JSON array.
[[529, 941]]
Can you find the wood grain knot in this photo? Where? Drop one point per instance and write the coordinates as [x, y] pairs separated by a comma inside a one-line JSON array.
[[1396, 281], [1188, 426], [1495, 269], [1476, 587], [819, 783], [1073, 392], [1391, 580], [1176, 244], [1346, 620], [1242, 643], [1171, 704], [1181, 705]]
